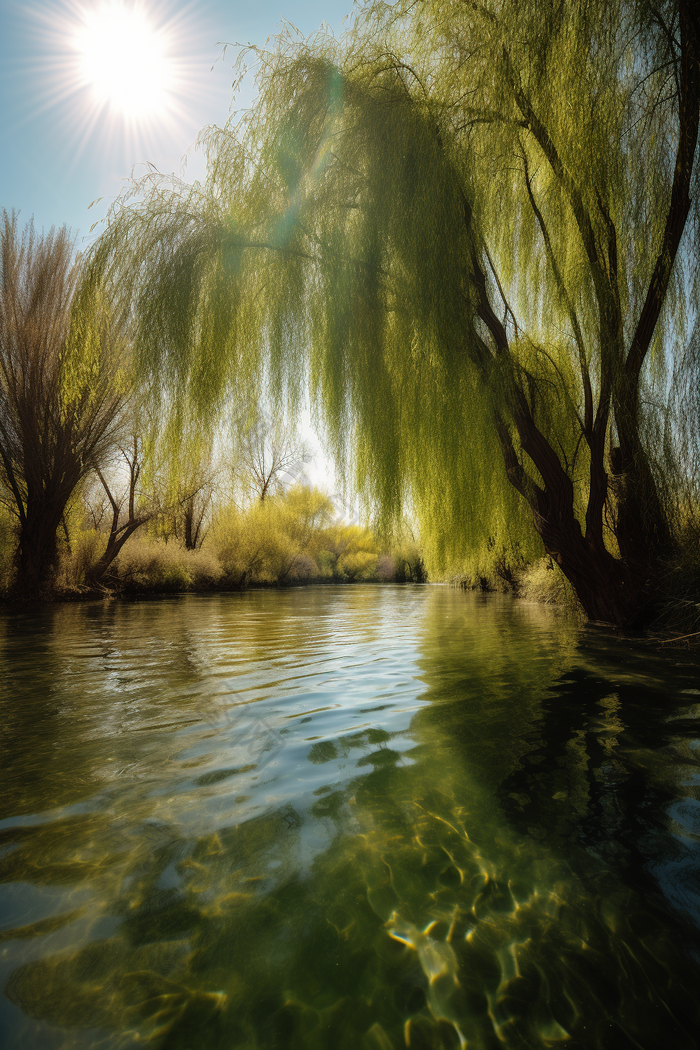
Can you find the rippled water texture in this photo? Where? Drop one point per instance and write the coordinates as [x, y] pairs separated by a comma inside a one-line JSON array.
[[348, 818]]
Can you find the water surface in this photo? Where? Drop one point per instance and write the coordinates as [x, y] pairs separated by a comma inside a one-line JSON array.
[[359, 817]]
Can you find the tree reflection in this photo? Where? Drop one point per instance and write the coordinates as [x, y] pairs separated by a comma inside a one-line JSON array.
[[472, 879]]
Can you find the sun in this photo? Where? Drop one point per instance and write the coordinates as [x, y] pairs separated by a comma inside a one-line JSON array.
[[127, 79], [124, 59]]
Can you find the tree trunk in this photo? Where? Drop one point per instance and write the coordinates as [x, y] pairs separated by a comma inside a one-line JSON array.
[[37, 552], [118, 535], [613, 590], [643, 533], [190, 538], [607, 588], [115, 543]]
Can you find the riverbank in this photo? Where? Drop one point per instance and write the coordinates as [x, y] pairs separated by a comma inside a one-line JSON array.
[[289, 539]]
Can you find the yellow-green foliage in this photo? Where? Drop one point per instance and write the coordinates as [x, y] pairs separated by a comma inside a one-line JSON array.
[[8, 543], [251, 545], [302, 515], [498, 569], [543, 582], [360, 565], [350, 219], [152, 564], [348, 552], [407, 556], [146, 563], [289, 537], [274, 541]]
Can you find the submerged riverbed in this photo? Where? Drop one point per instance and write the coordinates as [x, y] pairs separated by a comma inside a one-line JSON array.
[[357, 817]]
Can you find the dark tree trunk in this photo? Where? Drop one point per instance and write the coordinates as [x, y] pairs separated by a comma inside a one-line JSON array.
[[37, 553], [193, 521], [190, 534], [609, 591], [115, 542], [643, 532], [612, 590], [620, 590]]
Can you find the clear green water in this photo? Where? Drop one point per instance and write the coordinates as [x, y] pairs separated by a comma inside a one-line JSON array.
[[354, 817]]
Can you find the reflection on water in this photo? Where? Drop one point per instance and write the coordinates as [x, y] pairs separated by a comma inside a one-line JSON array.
[[345, 818]]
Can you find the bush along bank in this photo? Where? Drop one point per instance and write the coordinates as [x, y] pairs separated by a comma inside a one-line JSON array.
[[292, 538]]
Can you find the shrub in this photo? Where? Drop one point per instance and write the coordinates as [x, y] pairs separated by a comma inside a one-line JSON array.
[[359, 565], [253, 545], [146, 564], [274, 541], [86, 546], [542, 582]]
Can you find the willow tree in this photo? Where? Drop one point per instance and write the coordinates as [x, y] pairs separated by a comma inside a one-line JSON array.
[[267, 453], [468, 226], [60, 390]]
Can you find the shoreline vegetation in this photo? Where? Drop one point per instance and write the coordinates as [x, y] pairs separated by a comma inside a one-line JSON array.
[[503, 352], [291, 536], [293, 539]]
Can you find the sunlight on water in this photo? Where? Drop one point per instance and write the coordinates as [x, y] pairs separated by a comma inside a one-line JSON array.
[[354, 817]]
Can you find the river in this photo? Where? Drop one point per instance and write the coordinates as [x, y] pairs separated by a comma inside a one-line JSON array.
[[345, 818]]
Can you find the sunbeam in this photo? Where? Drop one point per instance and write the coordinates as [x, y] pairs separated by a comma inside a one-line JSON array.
[[124, 77]]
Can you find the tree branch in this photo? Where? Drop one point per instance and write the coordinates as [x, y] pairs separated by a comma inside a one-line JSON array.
[[573, 317], [679, 207]]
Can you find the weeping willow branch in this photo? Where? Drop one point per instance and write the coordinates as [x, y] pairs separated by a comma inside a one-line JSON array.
[[339, 247]]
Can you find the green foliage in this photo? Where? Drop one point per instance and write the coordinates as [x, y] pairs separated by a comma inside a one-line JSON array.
[[252, 545], [288, 538], [360, 565], [8, 542], [382, 293], [407, 557], [500, 570], [273, 542], [459, 226], [349, 552], [543, 582], [152, 565]]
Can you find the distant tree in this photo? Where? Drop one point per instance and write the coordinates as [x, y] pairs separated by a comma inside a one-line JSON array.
[[305, 513], [267, 451], [129, 511], [349, 550], [61, 393], [195, 511], [275, 540], [474, 229], [147, 483], [184, 484]]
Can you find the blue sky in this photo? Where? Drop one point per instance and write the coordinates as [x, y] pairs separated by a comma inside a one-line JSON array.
[[53, 161]]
